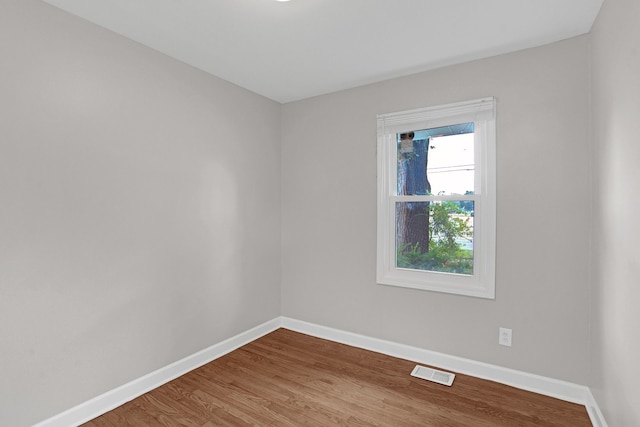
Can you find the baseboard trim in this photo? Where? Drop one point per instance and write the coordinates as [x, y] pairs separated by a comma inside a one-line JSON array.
[[536, 383], [597, 419], [112, 399]]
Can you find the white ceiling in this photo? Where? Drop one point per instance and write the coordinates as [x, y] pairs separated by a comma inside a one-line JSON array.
[[298, 49]]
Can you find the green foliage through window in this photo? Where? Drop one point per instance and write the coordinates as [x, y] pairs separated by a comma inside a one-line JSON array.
[[450, 227]]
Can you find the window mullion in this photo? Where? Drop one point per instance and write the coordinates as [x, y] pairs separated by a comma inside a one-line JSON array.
[[448, 198]]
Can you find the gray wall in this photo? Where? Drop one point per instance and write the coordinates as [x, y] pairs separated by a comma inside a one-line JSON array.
[[615, 301], [329, 214], [140, 211]]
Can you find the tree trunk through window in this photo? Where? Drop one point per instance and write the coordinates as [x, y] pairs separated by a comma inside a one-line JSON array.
[[413, 218]]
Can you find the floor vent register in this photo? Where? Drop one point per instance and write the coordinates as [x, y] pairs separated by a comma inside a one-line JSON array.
[[434, 375]]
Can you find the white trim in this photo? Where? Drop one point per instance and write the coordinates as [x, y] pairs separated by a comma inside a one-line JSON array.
[[118, 396], [597, 419], [551, 387], [439, 115], [543, 385]]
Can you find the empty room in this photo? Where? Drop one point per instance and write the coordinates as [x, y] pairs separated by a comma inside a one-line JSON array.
[[319, 212]]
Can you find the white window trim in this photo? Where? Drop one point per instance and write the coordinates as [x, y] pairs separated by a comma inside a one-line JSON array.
[[482, 113]]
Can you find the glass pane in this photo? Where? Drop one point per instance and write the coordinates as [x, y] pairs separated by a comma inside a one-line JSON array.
[[435, 236], [436, 161]]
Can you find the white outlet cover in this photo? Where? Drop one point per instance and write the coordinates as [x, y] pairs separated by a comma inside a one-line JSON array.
[[504, 338]]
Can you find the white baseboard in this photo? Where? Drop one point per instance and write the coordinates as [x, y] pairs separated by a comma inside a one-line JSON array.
[[597, 419], [112, 399], [543, 385]]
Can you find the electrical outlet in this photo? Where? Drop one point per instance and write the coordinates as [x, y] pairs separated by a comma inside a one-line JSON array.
[[504, 337]]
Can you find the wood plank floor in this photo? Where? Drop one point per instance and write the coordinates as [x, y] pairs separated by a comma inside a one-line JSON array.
[[291, 379]]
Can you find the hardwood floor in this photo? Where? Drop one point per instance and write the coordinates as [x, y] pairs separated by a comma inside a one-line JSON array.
[[291, 379]]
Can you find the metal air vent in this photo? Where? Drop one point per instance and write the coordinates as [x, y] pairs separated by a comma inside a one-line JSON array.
[[434, 375]]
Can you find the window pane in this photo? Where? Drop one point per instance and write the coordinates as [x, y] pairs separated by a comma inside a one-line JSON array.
[[436, 161], [435, 236]]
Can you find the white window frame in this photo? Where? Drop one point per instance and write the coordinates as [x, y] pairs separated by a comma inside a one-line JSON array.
[[482, 113]]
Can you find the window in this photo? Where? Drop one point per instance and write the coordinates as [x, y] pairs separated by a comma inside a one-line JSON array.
[[437, 198]]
